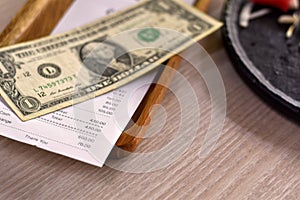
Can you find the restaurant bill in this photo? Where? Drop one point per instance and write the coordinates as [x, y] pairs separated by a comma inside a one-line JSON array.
[[45, 75]]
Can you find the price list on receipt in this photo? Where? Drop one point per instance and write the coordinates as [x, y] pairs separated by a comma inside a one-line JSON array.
[[74, 130]]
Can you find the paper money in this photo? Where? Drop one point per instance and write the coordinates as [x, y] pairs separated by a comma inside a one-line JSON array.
[[45, 75]]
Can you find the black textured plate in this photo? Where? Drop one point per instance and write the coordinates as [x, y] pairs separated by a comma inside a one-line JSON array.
[[264, 58]]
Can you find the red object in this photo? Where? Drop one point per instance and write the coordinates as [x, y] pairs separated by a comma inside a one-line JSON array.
[[281, 4]]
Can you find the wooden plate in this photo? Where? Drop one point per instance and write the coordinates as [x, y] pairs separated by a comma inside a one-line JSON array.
[[264, 57]]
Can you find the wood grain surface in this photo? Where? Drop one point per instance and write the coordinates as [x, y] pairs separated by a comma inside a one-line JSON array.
[[256, 157], [35, 19]]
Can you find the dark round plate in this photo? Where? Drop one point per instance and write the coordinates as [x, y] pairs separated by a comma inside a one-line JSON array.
[[264, 58]]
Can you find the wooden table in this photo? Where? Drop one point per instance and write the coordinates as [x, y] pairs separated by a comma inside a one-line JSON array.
[[256, 157]]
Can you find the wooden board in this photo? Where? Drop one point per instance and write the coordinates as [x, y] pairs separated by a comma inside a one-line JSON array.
[[38, 18]]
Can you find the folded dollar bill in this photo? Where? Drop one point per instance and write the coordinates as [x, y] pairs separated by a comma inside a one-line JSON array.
[[45, 75]]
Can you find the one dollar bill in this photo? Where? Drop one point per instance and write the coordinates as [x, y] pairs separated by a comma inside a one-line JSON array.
[[48, 74]]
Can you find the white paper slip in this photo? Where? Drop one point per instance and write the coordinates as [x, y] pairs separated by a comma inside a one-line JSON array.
[[74, 130]]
